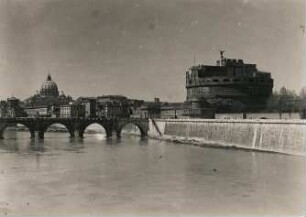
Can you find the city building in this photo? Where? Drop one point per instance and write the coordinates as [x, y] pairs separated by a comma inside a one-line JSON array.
[[12, 108], [47, 101], [168, 110], [72, 110], [90, 106], [38, 111], [111, 106], [151, 109], [3, 108], [135, 107], [173, 110]]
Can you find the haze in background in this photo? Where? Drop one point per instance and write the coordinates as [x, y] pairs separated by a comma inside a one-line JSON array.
[[142, 48]]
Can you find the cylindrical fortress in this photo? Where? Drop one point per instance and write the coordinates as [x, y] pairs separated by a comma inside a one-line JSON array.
[[229, 79]]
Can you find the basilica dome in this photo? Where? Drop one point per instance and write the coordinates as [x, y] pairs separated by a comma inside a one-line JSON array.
[[49, 88]]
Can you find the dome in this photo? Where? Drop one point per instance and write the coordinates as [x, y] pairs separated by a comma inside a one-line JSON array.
[[49, 88]]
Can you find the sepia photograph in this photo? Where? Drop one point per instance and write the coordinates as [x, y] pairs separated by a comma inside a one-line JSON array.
[[152, 108]]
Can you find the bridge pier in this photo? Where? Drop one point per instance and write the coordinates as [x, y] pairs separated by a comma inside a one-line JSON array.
[[2, 128], [109, 133], [144, 134], [118, 134], [71, 132], [81, 133], [41, 134], [32, 134]]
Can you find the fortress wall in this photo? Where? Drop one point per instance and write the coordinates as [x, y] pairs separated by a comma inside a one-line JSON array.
[[283, 136], [259, 115]]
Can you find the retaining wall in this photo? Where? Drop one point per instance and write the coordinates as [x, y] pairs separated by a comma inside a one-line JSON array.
[[284, 136]]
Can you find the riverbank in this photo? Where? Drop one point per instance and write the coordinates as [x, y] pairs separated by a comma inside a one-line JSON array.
[[209, 144], [275, 136]]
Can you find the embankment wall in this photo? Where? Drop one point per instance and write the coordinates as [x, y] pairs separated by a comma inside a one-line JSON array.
[[283, 136]]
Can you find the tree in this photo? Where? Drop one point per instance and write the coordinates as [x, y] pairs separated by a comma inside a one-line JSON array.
[[287, 101], [303, 103], [283, 100], [272, 102]]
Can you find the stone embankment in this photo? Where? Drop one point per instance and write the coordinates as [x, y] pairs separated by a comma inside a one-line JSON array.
[[281, 136]]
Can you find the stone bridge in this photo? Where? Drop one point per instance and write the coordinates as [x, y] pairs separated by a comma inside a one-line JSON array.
[[74, 125]]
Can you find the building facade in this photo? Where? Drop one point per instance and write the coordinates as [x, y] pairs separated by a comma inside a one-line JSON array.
[[12, 107], [38, 111], [90, 106], [111, 106], [72, 110]]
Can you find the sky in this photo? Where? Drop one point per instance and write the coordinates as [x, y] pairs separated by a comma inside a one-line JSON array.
[[142, 48]]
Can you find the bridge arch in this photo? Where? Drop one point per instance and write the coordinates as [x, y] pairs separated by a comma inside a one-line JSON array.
[[82, 128], [143, 130], [3, 127], [70, 128]]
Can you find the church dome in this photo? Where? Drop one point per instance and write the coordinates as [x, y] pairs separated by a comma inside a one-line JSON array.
[[49, 88]]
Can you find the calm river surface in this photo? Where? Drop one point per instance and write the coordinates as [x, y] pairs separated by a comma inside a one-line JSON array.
[[94, 176]]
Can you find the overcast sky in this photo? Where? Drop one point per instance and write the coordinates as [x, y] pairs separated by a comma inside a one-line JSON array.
[[142, 48]]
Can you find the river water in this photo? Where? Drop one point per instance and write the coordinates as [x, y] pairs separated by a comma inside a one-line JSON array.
[[95, 176]]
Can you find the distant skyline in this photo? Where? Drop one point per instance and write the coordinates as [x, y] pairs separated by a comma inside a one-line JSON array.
[[142, 48]]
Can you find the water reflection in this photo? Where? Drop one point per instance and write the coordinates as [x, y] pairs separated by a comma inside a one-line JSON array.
[[36, 146], [143, 141], [9, 145], [97, 136]]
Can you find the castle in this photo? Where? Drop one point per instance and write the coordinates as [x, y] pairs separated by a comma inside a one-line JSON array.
[[229, 85]]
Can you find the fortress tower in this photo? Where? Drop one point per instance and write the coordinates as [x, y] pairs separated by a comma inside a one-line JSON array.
[[230, 81]]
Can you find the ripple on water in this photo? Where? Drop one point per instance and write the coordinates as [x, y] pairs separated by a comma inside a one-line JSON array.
[[130, 175]]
